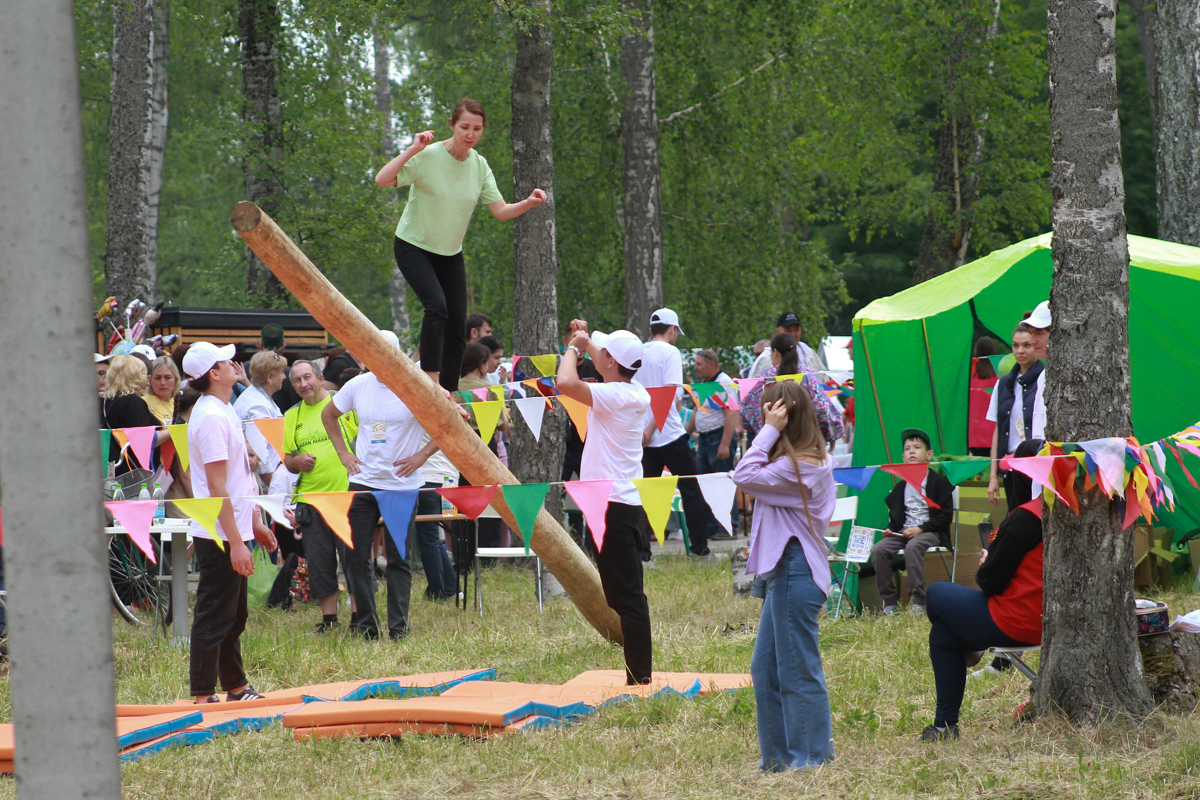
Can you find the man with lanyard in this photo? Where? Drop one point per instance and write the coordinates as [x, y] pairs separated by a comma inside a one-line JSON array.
[[1012, 408], [716, 425], [309, 453], [220, 468], [388, 457], [663, 366]]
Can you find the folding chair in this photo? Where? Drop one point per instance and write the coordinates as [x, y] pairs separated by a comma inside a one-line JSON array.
[[501, 552], [952, 568], [1013, 656], [846, 509]]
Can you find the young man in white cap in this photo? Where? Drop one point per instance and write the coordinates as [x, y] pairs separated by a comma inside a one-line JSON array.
[[663, 366], [1038, 324], [220, 468], [612, 451]]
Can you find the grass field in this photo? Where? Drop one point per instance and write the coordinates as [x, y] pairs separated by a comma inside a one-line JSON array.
[[880, 685]]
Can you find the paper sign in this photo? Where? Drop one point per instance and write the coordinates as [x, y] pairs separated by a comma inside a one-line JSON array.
[[858, 548]]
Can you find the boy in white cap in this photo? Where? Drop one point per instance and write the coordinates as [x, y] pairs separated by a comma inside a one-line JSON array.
[[221, 468], [613, 451]]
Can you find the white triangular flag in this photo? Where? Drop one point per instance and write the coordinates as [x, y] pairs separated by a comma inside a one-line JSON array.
[[532, 409], [1109, 455], [719, 492], [273, 505]]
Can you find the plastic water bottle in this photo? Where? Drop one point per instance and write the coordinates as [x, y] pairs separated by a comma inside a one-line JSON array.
[[448, 509], [160, 505], [118, 493], [835, 595], [144, 494]]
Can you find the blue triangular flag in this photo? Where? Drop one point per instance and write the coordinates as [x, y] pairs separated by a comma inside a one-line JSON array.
[[396, 507], [854, 477]]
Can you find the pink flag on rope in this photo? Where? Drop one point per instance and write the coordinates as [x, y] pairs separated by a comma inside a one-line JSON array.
[[747, 384], [141, 441], [1039, 468], [913, 475], [480, 393], [513, 369], [135, 517], [592, 499]]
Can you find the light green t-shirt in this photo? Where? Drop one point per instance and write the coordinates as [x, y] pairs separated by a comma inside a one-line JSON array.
[[303, 431], [442, 195]]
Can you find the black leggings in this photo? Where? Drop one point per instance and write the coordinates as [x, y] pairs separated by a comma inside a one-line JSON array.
[[440, 283]]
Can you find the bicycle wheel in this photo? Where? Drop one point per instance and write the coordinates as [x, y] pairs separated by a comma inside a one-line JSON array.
[[137, 594]]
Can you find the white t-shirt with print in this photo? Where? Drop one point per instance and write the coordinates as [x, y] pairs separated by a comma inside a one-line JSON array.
[[662, 365], [613, 448], [712, 417], [387, 432], [215, 434]]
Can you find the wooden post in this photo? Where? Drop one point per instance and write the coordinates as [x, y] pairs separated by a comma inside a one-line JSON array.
[[436, 414]]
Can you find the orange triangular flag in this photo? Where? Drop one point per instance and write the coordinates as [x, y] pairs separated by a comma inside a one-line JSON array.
[[578, 413], [334, 508], [272, 430], [661, 400]]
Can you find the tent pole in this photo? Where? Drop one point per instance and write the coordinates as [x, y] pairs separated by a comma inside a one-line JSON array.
[[878, 409], [937, 414]]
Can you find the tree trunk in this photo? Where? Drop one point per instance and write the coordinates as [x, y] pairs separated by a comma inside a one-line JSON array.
[[960, 151], [259, 26], [1177, 54], [1143, 11], [642, 205], [535, 296], [136, 129], [397, 286], [1091, 666]]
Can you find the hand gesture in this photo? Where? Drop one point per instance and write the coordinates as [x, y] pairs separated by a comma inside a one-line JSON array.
[[240, 370], [351, 462], [994, 490], [776, 414], [240, 559], [421, 141], [908, 533], [305, 462], [982, 556], [580, 339], [264, 536], [407, 466], [536, 197], [577, 325]]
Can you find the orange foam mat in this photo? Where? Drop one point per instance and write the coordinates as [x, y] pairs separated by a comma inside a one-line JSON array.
[[375, 730], [463, 710], [130, 730], [6, 767]]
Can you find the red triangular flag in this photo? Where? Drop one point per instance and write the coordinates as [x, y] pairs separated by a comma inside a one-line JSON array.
[[1179, 458], [469, 500], [1064, 471], [1034, 507], [1133, 509], [166, 452], [592, 499], [913, 475], [141, 442], [661, 400], [135, 517]]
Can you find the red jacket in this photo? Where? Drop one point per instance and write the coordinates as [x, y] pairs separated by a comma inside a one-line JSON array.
[[1018, 609]]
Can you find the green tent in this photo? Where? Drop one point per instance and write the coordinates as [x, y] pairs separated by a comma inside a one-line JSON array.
[[912, 355]]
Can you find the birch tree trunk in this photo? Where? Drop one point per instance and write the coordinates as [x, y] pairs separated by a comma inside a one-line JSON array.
[[535, 296], [1177, 128], [397, 286], [642, 204], [1091, 667], [259, 27], [137, 132]]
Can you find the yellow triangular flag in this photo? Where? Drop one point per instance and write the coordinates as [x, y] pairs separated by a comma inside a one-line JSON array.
[[657, 494], [204, 510], [334, 508], [796, 378], [272, 430], [547, 365], [578, 413], [497, 392], [179, 437], [487, 415]]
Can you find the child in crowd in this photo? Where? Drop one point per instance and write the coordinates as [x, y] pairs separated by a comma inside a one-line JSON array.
[[790, 475], [914, 526]]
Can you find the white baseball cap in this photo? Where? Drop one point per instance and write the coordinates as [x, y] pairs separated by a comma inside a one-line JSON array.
[[391, 336], [98, 357], [1040, 318], [202, 356], [665, 316], [145, 351], [624, 346]]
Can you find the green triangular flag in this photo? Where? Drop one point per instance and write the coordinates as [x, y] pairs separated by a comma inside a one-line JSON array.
[[958, 471], [706, 390], [105, 439], [525, 501]]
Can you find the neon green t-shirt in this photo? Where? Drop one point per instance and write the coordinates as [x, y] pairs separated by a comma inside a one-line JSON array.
[[442, 195], [303, 431]]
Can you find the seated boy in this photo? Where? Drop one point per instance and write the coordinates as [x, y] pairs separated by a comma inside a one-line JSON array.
[[913, 526]]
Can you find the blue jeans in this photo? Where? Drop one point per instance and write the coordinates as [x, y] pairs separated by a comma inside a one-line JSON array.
[[439, 572], [707, 461], [961, 623], [794, 726]]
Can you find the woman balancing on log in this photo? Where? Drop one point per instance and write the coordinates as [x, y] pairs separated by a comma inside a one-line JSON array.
[[446, 182]]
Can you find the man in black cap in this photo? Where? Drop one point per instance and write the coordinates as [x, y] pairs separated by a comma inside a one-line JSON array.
[[273, 339], [789, 323]]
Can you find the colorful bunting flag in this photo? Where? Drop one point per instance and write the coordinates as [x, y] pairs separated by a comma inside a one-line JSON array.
[[204, 510], [334, 508], [532, 410], [1039, 469], [656, 494], [480, 394], [706, 390], [105, 441], [487, 417], [1109, 455], [1179, 458], [957, 471], [497, 392], [396, 507], [592, 499], [854, 477], [578, 413], [141, 442], [525, 501], [179, 437], [747, 385], [719, 492], [135, 517], [913, 475], [166, 454], [271, 429], [273, 505], [469, 500], [662, 398], [547, 365]]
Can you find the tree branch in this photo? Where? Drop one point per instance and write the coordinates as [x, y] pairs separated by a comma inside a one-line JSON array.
[[680, 114]]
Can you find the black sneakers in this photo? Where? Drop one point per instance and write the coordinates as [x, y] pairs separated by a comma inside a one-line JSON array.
[[245, 694], [932, 734]]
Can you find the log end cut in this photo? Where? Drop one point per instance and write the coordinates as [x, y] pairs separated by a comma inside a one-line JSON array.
[[1172, 666], [245, 216]]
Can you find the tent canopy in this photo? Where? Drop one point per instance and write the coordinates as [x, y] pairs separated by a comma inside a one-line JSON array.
[[912, 354]]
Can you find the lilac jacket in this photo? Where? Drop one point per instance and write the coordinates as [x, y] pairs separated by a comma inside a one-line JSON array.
[[779, 512]]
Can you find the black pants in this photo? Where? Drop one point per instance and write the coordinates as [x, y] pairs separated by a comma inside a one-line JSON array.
[[324, 548], [677, 457], [440, 283], [218, 622], [620, 566], [364, 517]]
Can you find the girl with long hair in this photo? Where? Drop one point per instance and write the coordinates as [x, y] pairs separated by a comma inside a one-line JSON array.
[[790, 475]]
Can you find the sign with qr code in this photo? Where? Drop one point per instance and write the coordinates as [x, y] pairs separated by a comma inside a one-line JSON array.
[[858, 549]]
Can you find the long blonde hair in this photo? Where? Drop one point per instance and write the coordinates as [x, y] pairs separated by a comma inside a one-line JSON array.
[[126, 375], [801, 436]]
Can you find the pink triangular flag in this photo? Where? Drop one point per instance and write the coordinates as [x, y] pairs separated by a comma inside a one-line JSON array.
[[141, 441], [480, 393], [513, 371], [1109, 456], [592, 499], [135, 517], [747, 384], [1133, 508], [1038, 468]]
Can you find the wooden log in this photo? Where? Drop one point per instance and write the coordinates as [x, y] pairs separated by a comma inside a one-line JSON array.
[[1171, 663], [437, 415]]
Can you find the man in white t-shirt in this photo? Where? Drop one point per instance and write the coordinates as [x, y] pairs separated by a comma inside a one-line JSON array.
[[221, 468], [662, 365], [387, 456], [612, 451], [1038, 324], [715, 426]]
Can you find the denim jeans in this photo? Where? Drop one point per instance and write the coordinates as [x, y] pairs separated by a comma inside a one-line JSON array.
[[794, 726], [707, 461], [435, 560], [961, 623]]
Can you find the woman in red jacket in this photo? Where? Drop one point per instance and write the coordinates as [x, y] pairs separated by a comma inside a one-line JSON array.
[[1005, 611]]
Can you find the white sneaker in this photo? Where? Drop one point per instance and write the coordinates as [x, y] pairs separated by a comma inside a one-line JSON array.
[[916, 610], [988, 670], [649, 564], [889, 610]]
